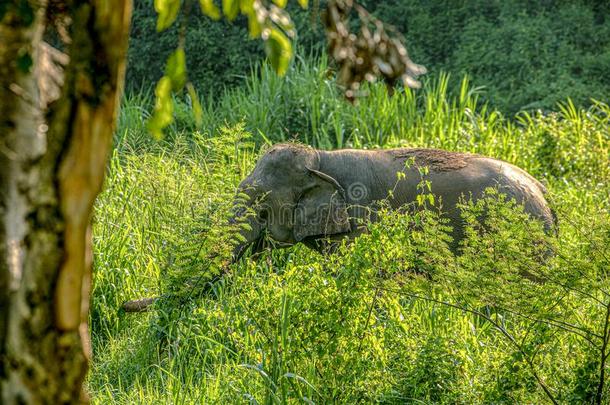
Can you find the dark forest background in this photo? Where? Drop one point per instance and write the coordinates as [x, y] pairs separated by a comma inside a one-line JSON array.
[[526, 55]]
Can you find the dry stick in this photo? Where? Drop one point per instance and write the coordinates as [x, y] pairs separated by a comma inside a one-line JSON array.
[[143, 304]]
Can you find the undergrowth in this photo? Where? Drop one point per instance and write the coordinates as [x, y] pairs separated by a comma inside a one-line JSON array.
[[394, 317]]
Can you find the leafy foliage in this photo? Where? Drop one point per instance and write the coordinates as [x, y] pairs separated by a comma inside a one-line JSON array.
[[304, 105], [527, 55], [168, 12], [271, 23], [394, 317], [364, 57]]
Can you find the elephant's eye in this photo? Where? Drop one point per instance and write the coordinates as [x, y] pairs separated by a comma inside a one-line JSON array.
[[263, 214]]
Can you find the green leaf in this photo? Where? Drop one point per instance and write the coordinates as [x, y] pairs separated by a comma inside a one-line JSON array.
[[239, 238], [280, 3], [176, 69], [246, 6], [245, 226], [281, 19], [197, 110], [230, 8], [279, 50], [254, 26], [164, 109], [209, 8], [167, 11]]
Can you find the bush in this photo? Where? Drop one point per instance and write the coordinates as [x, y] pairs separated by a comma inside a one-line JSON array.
[[394, 317], [570, 143], [219, 54], [527, 55]]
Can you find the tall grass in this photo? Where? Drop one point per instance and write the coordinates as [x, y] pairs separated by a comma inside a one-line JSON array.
[[295, 326], [446, 113]]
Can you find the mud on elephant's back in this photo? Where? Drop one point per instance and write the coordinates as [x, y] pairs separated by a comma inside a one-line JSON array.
[[435, 159]]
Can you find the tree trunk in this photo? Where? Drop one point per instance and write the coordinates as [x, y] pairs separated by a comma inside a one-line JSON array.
[[52, 164]]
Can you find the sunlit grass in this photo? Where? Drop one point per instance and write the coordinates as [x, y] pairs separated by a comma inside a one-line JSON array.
[[283, 329]]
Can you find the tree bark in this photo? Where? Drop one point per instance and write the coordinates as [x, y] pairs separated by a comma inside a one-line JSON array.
[[52, 163]]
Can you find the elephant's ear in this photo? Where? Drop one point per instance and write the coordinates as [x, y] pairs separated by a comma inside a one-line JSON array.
[[322, 209]]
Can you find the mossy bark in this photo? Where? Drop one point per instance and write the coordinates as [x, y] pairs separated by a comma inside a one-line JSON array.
[[52, 160]]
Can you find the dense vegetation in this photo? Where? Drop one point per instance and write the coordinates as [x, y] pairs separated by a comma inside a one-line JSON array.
[[527, 55], [394, 317]]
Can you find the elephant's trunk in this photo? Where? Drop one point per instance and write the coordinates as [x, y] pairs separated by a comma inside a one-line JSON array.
[[251, 235]]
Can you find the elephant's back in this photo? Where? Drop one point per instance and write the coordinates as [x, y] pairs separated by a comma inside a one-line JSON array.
[[518, 184], [456, 175], [469, 167], [452, 175], [435, 159]]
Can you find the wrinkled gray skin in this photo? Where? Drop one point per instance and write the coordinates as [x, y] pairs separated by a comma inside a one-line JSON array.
[[301, 194]]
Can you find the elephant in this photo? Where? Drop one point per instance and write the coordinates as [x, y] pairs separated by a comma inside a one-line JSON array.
[[298, 194]]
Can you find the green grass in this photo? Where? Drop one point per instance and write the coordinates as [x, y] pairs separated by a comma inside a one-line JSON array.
[[353, 327]]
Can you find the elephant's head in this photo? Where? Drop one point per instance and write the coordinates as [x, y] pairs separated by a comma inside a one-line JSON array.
[[290, 199]]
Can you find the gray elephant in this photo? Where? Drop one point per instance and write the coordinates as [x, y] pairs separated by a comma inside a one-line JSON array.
[[300, 194]]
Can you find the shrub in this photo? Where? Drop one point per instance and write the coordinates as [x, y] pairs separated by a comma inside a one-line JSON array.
[[527, 55], [394, 317]]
